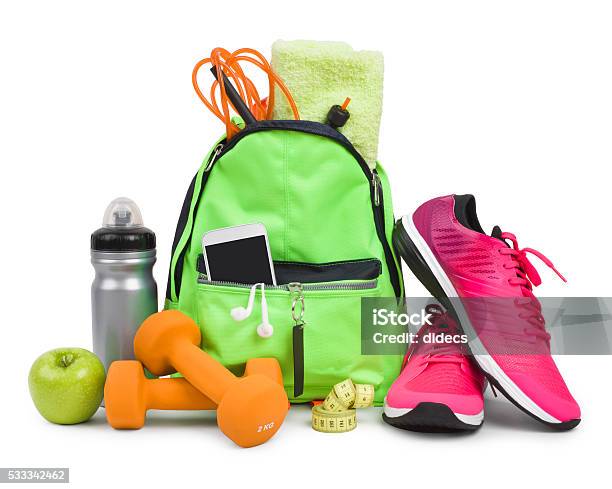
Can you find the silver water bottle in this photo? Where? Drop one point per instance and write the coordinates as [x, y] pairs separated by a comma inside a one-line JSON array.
[[124, 292]]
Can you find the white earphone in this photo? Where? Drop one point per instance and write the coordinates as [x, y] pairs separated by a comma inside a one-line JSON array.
[[239, 313], [265, 329]]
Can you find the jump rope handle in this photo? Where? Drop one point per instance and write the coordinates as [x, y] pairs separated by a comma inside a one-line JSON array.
[[234, 97]]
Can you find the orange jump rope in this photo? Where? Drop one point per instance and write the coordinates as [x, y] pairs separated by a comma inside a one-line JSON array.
[[226, 67]]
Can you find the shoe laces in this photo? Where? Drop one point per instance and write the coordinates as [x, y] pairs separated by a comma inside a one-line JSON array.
[[435, 352], [526, 278]]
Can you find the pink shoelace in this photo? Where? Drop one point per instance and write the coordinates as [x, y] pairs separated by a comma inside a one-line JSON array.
[[439, 352], [527, 278]]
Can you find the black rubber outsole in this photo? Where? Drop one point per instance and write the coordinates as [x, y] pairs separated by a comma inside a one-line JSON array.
[[430, 417], [415, 261]]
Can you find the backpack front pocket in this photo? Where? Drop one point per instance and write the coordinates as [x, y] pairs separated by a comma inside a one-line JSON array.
[[315, 355]]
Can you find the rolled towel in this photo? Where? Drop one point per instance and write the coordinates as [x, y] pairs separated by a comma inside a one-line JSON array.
[[322, 74]]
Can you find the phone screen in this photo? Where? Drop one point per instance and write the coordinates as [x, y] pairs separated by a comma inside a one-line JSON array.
[[244, 261]]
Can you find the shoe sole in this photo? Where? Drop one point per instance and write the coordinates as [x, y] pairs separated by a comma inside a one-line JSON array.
[[431, 417], [419, 258]]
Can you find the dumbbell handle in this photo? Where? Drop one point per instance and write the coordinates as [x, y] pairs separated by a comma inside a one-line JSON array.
[[176, 394], [201, 370]]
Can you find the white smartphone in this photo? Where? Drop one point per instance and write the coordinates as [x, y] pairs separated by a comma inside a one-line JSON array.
[[239, 254]]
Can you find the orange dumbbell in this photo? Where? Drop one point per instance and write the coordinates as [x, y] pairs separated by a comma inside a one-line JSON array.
[[128, 394], [250, 409]]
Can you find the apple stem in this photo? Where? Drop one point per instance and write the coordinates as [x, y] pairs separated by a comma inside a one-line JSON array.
[[66, 360]]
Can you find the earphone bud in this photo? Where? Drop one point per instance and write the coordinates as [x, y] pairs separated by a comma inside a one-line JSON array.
[[241, 313], [265, 329]]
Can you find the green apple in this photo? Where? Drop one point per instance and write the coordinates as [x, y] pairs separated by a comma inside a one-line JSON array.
[[67, 385]]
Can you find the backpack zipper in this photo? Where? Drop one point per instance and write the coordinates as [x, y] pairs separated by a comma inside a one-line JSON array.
[[298, 309], [364, 285], [377, 186], [213, 158]]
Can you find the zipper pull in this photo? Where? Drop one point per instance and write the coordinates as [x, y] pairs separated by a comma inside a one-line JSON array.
[[297, 314], [297, 293], [376, 183], [214, 157]]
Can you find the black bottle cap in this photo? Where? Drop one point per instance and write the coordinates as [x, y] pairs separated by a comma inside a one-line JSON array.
[[123, 239]]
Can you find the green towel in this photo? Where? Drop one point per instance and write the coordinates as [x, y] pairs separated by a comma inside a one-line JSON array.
[[322, 74]]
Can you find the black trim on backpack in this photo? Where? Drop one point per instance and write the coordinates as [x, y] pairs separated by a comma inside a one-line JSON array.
[[309, 127], [180, 229]]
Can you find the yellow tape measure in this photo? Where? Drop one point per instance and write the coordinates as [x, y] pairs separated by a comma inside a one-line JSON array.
[[364, 395], [329, 422], [337, 413], [341, 397]]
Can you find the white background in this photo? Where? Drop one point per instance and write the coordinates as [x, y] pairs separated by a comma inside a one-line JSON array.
[[511, 101]]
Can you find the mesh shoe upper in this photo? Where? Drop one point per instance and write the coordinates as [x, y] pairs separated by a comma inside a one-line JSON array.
[[494, 279], [438, 372]]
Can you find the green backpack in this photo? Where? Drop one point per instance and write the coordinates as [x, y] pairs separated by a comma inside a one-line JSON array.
[[329, 220]]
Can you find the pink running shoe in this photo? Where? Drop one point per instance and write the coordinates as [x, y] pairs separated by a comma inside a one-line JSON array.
[[439, 389], [447, 249]]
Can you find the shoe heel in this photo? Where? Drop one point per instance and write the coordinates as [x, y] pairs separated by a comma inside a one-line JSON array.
[[415, 261]]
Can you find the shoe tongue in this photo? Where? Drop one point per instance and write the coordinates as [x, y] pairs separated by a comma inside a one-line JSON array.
[[444, 347], [443, 326], [497, 233]]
